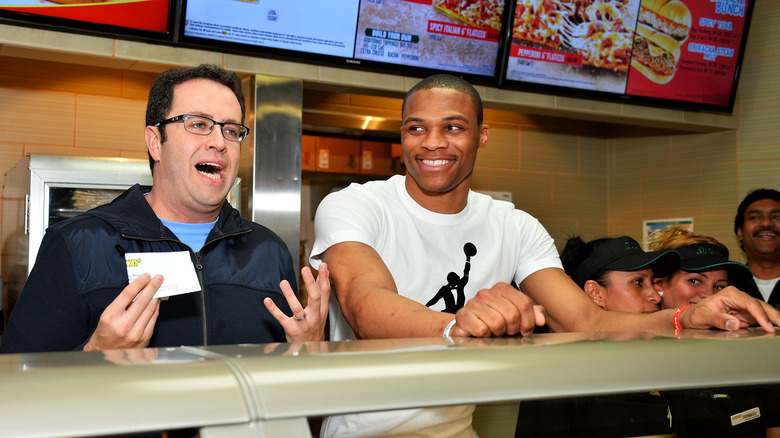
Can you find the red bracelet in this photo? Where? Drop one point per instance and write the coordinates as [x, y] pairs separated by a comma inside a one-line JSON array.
[[676, 319]]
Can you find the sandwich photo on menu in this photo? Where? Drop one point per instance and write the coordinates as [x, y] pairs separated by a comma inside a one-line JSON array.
[[688, 51], [663, 26], [655, 54], [671, 17]]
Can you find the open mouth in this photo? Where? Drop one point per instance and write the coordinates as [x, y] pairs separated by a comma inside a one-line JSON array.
[[211, 170]]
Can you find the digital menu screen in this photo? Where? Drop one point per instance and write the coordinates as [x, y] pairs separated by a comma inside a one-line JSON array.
[[147, 17], [451, 35], [326, 28], [459, 36], [664, 50]]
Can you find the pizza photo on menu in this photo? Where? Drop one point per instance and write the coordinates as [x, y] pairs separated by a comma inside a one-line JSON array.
[[605, 47], [540, 22], [594, 29], [601, 36], [485, 14]]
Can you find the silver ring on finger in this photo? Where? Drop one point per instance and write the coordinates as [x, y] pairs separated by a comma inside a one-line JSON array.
[[299, 318]]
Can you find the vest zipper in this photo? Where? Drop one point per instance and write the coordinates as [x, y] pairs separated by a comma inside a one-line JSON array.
[[199, 270]]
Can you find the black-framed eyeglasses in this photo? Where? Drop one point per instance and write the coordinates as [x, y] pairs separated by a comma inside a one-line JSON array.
[[202, 125]]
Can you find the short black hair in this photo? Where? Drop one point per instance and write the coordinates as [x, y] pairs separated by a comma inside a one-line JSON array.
[[161, 93], [755, 195], [448, 82], [576, 251]]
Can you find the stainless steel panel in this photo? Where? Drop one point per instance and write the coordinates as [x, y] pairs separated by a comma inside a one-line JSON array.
[[269, 390], [388, 374], [100, 393], [276, 176]]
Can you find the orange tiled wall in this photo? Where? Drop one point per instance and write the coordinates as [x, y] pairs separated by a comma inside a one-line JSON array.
[[63, 109]]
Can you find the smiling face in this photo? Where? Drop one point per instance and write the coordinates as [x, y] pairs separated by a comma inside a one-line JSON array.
[[760, 232], [626, 291], [440, 137], [689, 287], [193, 173]]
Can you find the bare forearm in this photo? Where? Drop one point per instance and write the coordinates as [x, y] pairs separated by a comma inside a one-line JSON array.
[[606, 321], [569, 309], [369, 298], [377, 314]]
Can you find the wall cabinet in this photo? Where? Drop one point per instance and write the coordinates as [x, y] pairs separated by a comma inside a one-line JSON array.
[[350, 156]]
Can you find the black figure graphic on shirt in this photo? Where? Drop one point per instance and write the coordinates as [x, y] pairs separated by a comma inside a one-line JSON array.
[[455, 284]]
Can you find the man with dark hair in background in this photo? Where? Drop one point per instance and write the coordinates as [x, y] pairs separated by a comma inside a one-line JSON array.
[[757, 225]]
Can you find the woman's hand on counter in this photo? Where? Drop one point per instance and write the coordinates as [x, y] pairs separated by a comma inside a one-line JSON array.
[[731, 309]]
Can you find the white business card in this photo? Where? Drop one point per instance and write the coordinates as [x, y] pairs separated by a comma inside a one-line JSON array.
[[175, 267]]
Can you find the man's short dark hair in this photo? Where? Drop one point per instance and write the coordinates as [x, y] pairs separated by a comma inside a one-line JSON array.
[[161, 93], [755, 195], [448, 82]]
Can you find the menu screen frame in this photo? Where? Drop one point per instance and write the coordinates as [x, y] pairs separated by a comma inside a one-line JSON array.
[[127, 19], [682, 89], [387, 40]]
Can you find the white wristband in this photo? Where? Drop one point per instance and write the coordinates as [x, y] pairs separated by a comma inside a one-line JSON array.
[[448, 329]]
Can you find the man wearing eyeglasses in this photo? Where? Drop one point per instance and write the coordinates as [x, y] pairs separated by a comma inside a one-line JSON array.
[[78, 296]]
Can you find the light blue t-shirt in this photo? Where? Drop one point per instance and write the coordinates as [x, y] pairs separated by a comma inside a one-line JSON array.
[[193, 235]]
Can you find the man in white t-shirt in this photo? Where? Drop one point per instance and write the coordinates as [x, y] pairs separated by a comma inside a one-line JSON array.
[[394, 247], [757, 225]]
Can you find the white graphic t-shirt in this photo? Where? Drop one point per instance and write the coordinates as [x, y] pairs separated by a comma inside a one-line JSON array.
[[440, 260]]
